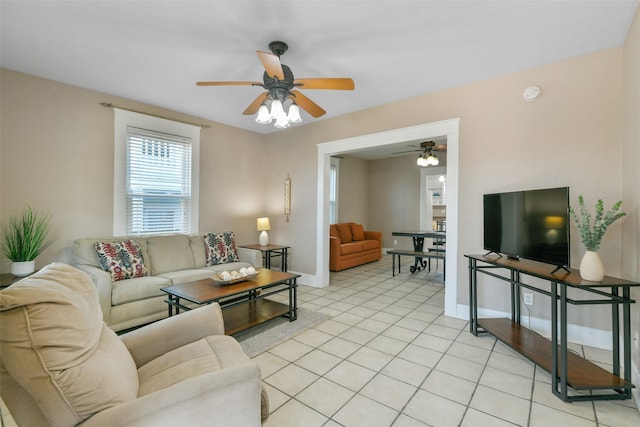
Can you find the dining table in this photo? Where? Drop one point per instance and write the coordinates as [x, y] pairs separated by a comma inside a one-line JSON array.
[[418, 237]]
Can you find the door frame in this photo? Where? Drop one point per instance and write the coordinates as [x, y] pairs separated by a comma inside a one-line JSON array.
[[449, 128]]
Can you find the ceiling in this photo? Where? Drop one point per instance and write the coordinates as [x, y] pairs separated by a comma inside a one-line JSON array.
[[154, 51]]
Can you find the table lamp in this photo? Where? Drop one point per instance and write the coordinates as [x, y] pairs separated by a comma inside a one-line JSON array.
[[263, 225]]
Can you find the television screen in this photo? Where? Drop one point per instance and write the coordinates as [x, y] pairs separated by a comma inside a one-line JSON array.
[[532, 224]]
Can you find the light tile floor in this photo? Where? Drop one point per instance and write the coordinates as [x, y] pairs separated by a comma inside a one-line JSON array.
[[389, 357]]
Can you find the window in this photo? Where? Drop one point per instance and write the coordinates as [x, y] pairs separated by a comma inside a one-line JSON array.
[[158, 182], [333, 190], [156, 175]]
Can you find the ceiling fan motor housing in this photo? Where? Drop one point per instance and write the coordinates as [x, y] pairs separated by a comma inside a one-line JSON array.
[[279, 89]]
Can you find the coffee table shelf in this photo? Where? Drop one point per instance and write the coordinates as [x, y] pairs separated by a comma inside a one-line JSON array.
[[243, 304], [244, 316]]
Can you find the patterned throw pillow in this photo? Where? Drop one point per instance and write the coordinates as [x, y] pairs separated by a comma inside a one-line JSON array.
[[123, 259], [220, 248]]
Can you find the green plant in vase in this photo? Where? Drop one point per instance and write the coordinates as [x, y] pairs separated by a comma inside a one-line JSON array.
[[591, 234], [24, 237]]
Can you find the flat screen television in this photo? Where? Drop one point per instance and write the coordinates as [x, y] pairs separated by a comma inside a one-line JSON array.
[[531, 224]]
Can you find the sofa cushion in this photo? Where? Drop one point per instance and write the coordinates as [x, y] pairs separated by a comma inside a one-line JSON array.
[[170, 253], [54, 343], [344, 232], [206, 355], [357, 231], [332, 231], [84, 251], [125, 291], [220, 248], [185, 276], [230, 266], [370, 244], [122, 259], [350, 248], [198, 250]]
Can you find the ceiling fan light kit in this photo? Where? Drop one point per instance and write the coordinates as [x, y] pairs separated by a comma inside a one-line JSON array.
[[280, 85], [429, 159]]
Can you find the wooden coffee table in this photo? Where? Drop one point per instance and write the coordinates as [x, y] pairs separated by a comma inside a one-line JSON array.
[[243, 304]]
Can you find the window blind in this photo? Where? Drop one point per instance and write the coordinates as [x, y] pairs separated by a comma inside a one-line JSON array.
[[158, 186]]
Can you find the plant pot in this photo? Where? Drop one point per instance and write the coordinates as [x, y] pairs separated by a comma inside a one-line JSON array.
[[591, 267], [23, 268]]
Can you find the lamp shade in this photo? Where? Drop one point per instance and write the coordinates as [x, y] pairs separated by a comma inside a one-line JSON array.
[[263, 224], [294, 114], [263, 115]]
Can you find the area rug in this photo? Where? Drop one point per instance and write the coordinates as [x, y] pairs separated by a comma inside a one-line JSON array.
[[269, 334]]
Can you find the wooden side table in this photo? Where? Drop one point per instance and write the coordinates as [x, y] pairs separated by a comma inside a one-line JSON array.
[[272, 251]]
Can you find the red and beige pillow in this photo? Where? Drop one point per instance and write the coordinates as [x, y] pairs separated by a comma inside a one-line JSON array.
[[220, 248], [123, 259]]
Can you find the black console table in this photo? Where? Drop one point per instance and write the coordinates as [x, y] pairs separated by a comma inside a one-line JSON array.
[[571, 371]]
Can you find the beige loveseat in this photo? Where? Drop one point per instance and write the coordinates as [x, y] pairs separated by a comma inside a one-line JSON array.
[[168, 260], [61, 366]]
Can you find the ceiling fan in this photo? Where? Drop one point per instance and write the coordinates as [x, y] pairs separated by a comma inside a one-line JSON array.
[[281, 85], [425, 147], [427, 155]]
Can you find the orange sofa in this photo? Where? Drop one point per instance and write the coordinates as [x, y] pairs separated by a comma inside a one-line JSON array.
[[351, 245]]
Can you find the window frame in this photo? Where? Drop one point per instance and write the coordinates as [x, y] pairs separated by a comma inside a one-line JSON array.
[[335, 163], [124, 119]]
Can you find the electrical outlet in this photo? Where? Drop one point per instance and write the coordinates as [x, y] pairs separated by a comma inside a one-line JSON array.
[[395, 242], [528, 298]]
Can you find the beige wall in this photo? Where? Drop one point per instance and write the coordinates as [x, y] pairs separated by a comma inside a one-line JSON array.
[[394, 195], [569, 136], [631, 176], [353, 196], [57, 155]]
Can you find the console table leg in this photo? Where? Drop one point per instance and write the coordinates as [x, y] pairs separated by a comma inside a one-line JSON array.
[[554, 338], [615, 323], [626, 334], [563, 342], [473, 303]]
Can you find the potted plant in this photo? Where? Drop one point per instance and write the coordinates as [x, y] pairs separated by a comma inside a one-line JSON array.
[[591, 267], [24, 237]]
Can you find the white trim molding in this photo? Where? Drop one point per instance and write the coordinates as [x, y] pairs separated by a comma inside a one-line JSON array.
[[448, 128]]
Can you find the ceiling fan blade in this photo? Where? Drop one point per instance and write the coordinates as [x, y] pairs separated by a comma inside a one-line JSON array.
[[441, 147], [307, 105], [255, 105], [335, 83], [229, 84], [272, 64], [410, 151]]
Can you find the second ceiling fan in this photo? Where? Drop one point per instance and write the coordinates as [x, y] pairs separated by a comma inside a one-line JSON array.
[[281, 85]]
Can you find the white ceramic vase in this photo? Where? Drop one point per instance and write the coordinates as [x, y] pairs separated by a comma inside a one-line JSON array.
[[23, 268], [591, 267]]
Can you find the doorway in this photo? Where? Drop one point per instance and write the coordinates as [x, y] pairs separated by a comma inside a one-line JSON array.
[[448, 128]]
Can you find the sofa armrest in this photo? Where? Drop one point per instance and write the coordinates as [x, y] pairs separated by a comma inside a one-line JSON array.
[[373, 235], [252, 256], [228, 397], [102, 280], [153, 340]]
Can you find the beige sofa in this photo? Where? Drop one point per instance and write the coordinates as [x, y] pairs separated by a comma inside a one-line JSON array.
[[61, 366], [168, 259]]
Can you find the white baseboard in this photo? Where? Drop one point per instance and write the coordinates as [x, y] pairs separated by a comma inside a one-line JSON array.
[[307, 279], [577, 334], [635, 379]]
